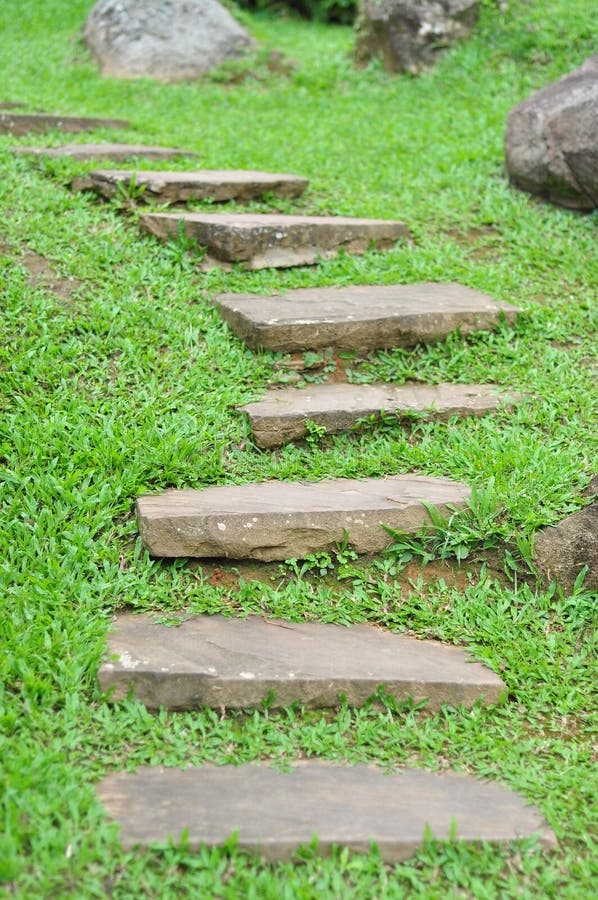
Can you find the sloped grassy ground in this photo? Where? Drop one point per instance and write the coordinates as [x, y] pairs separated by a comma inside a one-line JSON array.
[[118, 378]]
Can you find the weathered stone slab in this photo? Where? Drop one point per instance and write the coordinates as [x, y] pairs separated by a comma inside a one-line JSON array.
[[275, 812], [24, 123], [173, 187], [282, 415], [237, 664], [261, 241], [279, 520], [112, 152], [362, 318]]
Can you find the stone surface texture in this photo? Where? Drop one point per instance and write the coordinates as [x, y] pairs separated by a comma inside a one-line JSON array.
[[561, 551], [11, 123], [275, 812], [282, 415], [173, 187], [112, 152], [239, 663], [274, 520], [551, 141], [169, 40], [279, 241], [408, 35], [361, 318]]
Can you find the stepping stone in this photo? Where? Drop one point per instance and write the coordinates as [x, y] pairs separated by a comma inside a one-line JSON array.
[[273, 812], [261, 241], [280, 520], [19, 124], [178, 187], [282, 414], [238, 663], [360, 318], [112, 152]]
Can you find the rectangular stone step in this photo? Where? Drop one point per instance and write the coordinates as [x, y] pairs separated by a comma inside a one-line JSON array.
[[282, 415], [24, 123], [238, 663], [178, 187], [274, 520], [360, 317], [261, 241], [112, 152], [274, 813]]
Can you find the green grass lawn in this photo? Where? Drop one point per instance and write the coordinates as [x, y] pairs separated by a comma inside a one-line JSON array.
[[119, 378]]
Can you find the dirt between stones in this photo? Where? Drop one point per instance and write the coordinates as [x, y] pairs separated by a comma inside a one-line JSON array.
[[223, 573]]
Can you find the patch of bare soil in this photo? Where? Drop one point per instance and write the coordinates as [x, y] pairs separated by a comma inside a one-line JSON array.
[[325, 367], [226, 573], [40, 272], [481, 241]]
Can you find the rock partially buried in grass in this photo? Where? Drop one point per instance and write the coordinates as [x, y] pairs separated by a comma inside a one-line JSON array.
[[408, 35], [167, 41], [551, 142], [562, 551]]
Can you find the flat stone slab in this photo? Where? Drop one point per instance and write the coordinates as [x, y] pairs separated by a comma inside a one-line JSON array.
[[279, 520], [24, 123], [261, 241], [112, 152], [238, 663], [274, 813], [282, 414], [361, 318], [178, 187]]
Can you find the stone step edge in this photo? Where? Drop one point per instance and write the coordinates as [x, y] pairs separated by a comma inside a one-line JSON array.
[[105, 151], [273, 427], [277, 520], [212, 661], [259, 241], [360, 318], [27, 123]]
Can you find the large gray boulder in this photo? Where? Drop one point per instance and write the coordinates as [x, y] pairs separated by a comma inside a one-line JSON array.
[[170, 40], [551, 141], [408, 35]]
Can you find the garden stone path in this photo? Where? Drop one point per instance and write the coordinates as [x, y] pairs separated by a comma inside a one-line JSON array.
[[284, 414], [111, 152], [360, 317], [277, 520], [24, 123], [178, 187], [275, 812], [239, 663], [278, 241]]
